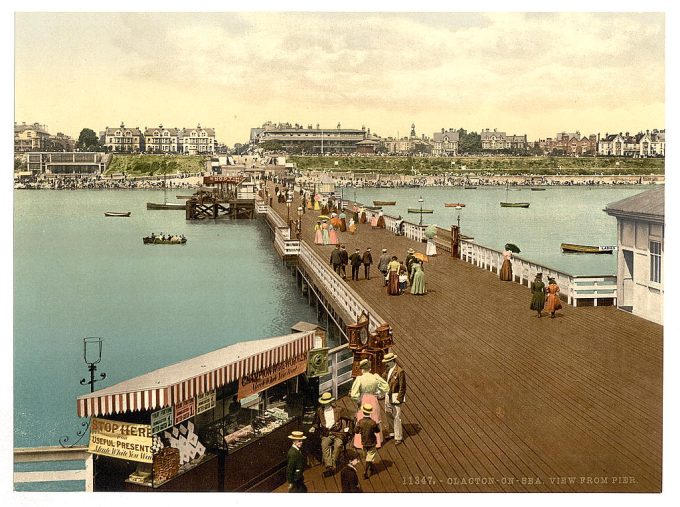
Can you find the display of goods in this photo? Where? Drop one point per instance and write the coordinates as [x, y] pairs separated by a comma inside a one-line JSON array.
[[166, 464]]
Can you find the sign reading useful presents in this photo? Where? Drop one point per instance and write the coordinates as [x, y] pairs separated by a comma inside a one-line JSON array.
[[121, 440], [271, 375], [161, 420]]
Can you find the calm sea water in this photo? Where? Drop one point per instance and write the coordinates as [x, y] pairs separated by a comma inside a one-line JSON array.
[[556, 215], [78, 273]]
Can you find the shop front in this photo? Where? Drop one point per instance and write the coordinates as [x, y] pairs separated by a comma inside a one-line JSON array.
[[216, 422]]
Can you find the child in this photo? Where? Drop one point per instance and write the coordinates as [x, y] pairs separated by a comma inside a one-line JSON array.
[[368, 429], [403, 278]]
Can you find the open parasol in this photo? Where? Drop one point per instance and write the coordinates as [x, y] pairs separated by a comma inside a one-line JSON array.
[[421, 256], [323, 217], [512, 247], [431, 231]]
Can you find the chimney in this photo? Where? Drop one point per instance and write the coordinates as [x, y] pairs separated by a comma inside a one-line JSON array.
[[442, 130]]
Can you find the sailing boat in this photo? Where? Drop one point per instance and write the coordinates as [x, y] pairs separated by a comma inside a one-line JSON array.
[[508, 204], [166, 204]]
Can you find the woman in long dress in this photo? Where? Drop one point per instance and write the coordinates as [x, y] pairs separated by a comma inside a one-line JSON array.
[[538, 294], [343, 221], [506, 268], [552, 300], [352, 228], [417, 279], [381, 220], [393, 277], [318, 237], [332, 235], [364, 390], [324, 232], [431, 248]]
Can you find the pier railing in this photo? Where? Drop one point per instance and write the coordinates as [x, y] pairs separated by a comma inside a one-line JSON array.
[[579, 290], [39, 457], [340, 360]]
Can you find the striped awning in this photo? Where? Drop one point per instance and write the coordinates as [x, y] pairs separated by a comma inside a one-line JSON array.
[[182, 381]]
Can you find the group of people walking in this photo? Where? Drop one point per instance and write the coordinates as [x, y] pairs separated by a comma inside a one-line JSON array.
[[366, 429], [340, 259], [543, 297], [397, 275]]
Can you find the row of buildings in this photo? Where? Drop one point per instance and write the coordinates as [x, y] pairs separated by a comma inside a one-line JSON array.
[[296, 138], [36, 137]]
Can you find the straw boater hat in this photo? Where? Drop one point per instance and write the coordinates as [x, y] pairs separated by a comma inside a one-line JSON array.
[[297, 435], [364, 364], [326, 398], [367, 408], [384, 250], [410, 250], [389, 357]]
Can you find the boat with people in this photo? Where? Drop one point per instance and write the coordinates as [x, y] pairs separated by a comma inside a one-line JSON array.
[[590, 249], [454, 205], [117, 213], [418, 210], [164, 239], [384, 203]]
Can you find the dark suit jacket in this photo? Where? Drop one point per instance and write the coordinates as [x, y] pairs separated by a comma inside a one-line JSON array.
[[344, 257], [296, 465], [341, 421], [349, 480], [397, 384], [368, 429], [355, 259], [367, 258]]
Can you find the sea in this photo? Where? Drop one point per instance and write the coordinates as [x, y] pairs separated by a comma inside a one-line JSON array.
[[80, 274]]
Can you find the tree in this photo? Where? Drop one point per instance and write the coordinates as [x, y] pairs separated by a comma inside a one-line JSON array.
[[88, 141], [469, 143]]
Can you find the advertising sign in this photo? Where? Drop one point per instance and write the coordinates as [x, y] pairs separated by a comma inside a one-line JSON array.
[[121, 440], [184, 410], [271, 375], [161, 420], [205, 401]]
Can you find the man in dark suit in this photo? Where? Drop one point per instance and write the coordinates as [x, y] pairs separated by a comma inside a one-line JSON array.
[[296, 464], [367, 259], [333, 424], [336, 259], [396, 396], [349, 479], [355, 260], [344, 260]]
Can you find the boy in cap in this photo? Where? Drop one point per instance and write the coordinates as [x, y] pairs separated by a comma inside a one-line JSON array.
[[296, 464], [333, 425], [369, 431], [349, 479]]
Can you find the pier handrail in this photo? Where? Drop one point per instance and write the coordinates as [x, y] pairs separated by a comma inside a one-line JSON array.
[[340, 370], [51, 454], [343, 295]]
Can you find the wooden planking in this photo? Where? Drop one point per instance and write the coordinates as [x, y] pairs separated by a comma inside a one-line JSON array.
[[497, 392]]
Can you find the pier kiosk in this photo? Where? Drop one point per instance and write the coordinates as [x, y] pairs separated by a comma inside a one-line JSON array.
[[216, 422]]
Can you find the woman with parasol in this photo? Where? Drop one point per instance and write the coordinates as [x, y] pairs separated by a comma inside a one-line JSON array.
[[506, 268], [430, 234], [324, 232]]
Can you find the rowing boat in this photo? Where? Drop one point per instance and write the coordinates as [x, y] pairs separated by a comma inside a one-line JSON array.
[[418, 210], [158, 241], [572, 248], [454, 205], [514, 205], [384, 203], [117, 213]]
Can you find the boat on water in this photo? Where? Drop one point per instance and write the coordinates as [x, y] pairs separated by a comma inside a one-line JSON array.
[[514, 205], [418, 210], [165, 204], [509, 204], [537, 189], [470, 187], [454, 205], [384, 203], [590, 249], [117, 213], [158, 240]]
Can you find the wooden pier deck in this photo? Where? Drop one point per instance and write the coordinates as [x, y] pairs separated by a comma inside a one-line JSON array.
[[501, 401]]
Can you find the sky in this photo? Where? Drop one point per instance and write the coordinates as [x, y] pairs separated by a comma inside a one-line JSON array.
[[518, 72]]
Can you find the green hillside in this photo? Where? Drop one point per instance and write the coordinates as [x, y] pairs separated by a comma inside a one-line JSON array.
[[150, 165]]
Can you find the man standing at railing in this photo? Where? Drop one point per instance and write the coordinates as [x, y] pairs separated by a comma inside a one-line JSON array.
[[336, 259], [344, 260]]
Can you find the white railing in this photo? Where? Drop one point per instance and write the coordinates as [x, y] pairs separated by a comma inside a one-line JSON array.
[[411, 231], [51, 454], [342, 294], [283, 244], [340, 370], [574, 287], [261, 207]]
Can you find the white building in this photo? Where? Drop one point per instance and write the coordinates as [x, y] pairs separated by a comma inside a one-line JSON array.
[[640, 241]]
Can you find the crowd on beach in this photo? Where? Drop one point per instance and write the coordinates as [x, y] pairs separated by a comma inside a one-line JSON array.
[[106, 183]]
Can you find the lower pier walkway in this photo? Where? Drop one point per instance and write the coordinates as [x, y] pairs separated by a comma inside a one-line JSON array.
[[499, 400]]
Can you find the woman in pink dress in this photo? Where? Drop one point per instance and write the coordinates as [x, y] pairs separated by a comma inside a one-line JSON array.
[[332, 235], [318, 238], [552, 299], [364, 390]]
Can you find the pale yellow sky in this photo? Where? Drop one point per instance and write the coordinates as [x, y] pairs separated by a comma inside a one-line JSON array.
[[534, 74]]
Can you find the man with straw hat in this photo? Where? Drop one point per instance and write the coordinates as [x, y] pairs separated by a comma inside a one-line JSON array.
[[396, 395], [369, 431], [333, 425], [296, 464], [410, 258]]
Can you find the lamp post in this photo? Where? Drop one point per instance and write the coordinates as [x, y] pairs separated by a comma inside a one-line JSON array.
[[420, 200], [458, 209], [289, 201], [92, 354]]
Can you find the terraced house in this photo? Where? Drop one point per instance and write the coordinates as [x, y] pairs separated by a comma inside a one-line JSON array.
[[162, 140], [124, 139], [501, 141], [36, 137], [642, 144], [445, 143], [198, 140]]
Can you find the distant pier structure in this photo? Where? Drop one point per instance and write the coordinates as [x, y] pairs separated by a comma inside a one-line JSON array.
[[222, 197]]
